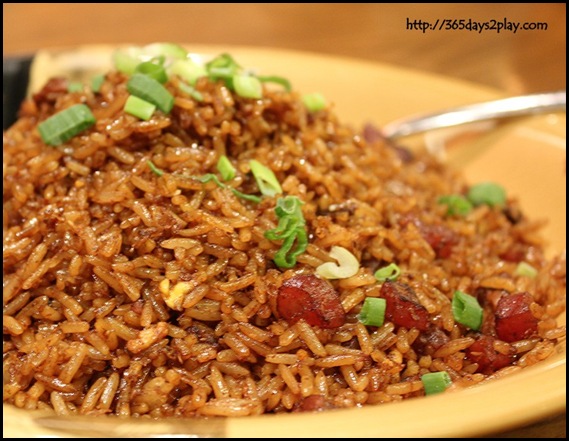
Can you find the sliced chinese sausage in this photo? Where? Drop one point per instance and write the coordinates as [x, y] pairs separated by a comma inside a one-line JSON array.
[[514, 319], [314, 403], [430, 340], [440, 237], [489, 360], [312, 299], [403, 307]]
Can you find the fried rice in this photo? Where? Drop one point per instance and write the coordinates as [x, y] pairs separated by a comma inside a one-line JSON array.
[[135, 287]]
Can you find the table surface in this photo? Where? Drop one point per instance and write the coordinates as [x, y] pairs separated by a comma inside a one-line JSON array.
[[514, 61]]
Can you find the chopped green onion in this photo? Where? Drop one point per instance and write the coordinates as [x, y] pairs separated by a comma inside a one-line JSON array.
[[153, 70], [285, 258], [488, 193], [347, 265], [278, 80], [222, 66], [225, 168], [223, 73], [158, 59], [525, 269], [96, 82], [266, 179], [390, 272], [289, 206], [373, 311], [188, 70], [152, 91], [125, 60], [291, 228], [314, 102], [154, 169], [64, 125], [190, 90], [248, 197], [139, 108], [247, 86], [436, 382], [74, 86], [211, 177], [456, 204], [171, 50], [466, 310], [289, 213]]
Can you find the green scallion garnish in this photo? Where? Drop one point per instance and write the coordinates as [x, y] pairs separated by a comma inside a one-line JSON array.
[[191, 90], [125, 60], [153, 70], [286, 256], [277, 80], [165, 50], [373, 311], [289, 213], [247, 197], [139, 108], [154, 169], [390, 272], [291, 229], [525, 269], [314, 102], [74, 86], [223, 66], [225, 168], [266, 179], [211, 177], [466, 310], [96, 82], [64, 125], [488, 193], [456, 204], [188, 70], [150, 90], [247, 86], [436, 382]]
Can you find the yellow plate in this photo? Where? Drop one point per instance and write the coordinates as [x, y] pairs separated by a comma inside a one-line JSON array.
[[527, 156]]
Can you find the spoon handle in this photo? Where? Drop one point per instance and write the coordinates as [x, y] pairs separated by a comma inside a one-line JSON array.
[[502, 108]]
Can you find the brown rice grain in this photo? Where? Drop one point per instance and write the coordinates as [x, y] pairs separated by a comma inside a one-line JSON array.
[[335, 361], [59, 404], [404, 388], [72, 366], [307, 334], [92, 396], [453, 346], [288, 378]]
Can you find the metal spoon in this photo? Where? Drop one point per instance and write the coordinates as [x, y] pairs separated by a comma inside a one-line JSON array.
[[502, 108]]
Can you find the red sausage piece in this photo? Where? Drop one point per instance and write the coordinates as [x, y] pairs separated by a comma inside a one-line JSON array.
[[403, 307], [310, 298], [514, 320]]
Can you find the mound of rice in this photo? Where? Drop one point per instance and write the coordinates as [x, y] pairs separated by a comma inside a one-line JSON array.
[[134, 288]]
